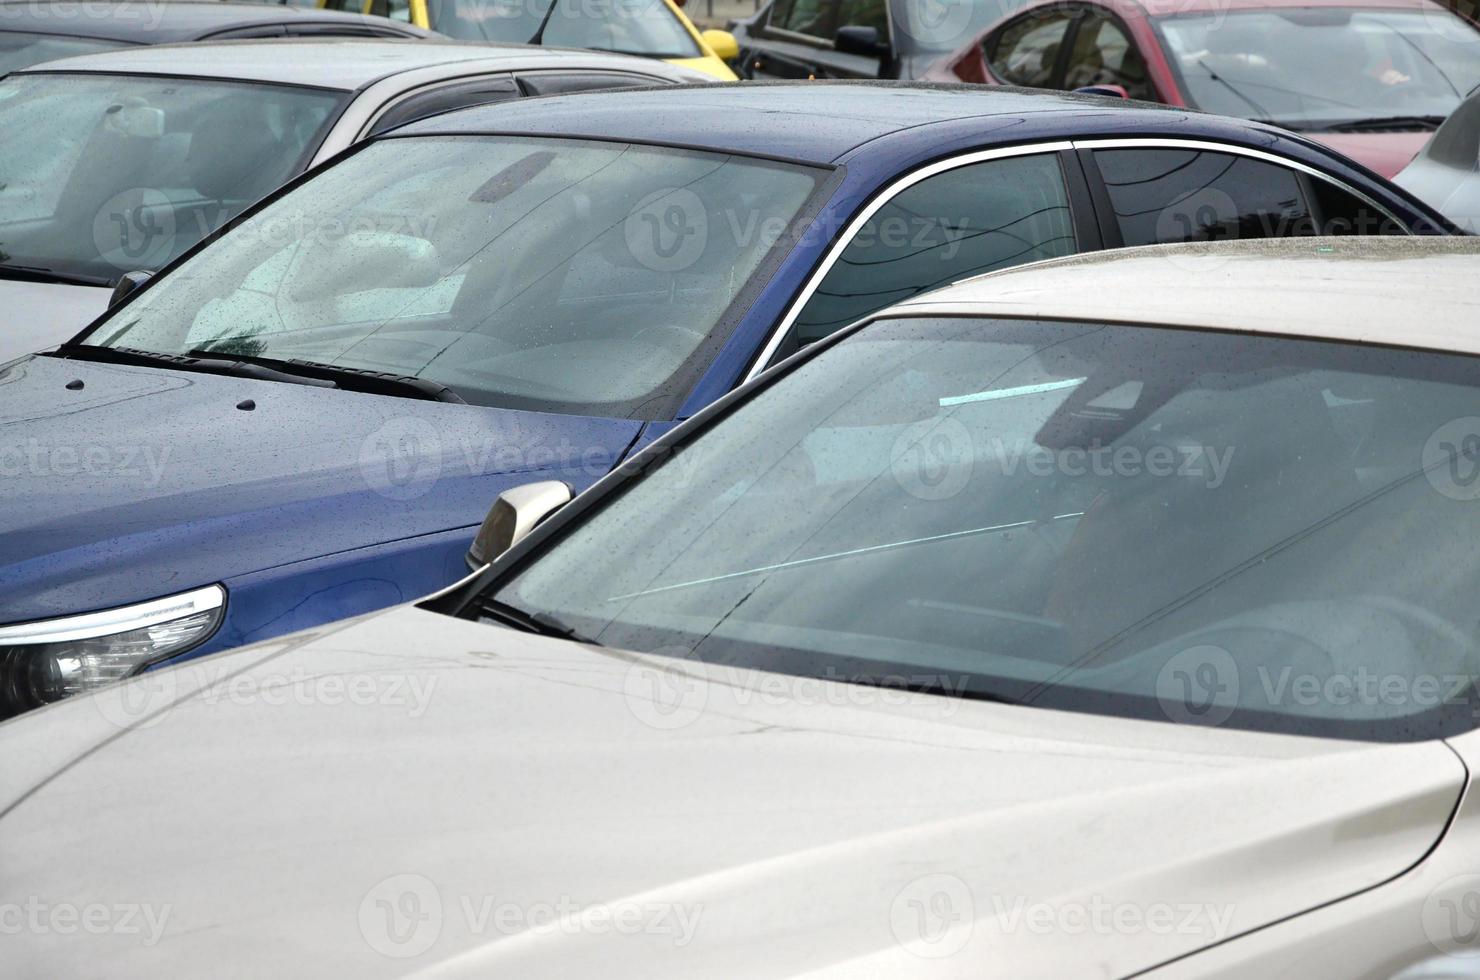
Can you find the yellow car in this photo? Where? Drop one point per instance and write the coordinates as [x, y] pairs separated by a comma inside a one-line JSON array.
[[654, 28]]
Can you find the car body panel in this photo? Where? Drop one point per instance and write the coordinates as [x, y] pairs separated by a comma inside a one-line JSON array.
[[189, 488], [1446, 173], [38, 313], [784, 827]]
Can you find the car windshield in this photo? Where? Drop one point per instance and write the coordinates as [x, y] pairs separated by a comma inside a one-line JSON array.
[[104, 174], [545, 274], [645, 27], [1322, 67], [1187, 526], [19, 49]]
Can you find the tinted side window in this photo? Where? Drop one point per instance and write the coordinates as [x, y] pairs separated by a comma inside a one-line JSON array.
[[1025, 51], [1171, 195], [1341, 213], [814, 17], [956, 224], [1103, 55], [480, 91]]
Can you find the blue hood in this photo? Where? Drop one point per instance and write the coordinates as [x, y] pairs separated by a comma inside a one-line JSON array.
[[144, 482]]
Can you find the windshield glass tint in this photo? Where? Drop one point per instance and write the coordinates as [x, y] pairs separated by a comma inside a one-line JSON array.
[[1320, 66], [553, 275], [644, 27], [20, 50], [101, 175], [1168, 524]]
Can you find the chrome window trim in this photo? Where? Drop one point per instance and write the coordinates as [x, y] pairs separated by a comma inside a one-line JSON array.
[[1174, 143], [793, 311], [891, 191], [113, 621]]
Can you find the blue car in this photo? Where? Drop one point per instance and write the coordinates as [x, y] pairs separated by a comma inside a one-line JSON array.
[[307, 416]]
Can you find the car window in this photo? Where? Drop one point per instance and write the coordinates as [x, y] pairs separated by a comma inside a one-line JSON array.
[[1322, 67], [645, 27], [1162, 195], [1189, 526], [558, 82], [815, 17], [959, 223], [1104, 55], [21, 50], [104, 174], [557, 275], [1026, 51], [393, 9], [864, 13], [481, 91]]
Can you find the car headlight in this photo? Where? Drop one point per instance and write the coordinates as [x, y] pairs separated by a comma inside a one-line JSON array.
[[50, 659]]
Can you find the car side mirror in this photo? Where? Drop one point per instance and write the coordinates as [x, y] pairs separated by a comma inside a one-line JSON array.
[[859, 40], [723, 43], [1114, 91], [516, 512], [127, 283]]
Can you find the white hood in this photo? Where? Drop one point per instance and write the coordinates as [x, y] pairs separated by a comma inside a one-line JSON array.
[[407, 792], [36, 315]]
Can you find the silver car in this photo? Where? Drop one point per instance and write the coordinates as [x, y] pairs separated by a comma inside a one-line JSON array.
[[118, 162], [1111, 616]]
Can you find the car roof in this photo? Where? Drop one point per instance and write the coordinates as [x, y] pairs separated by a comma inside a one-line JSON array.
[[345, 63], [160, 21], [1406, 291], [816, 122]]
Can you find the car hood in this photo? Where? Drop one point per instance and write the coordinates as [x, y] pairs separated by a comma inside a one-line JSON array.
[[1383, 153], [408, 793], [39, 314], [145, 482]]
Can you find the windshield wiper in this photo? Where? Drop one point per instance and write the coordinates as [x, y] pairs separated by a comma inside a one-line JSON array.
[[1385, 122], [37, 273], [542, 624], [348, 378], [203, 363]]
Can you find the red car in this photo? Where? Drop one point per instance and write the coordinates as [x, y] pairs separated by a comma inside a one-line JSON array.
[[1371, 78]]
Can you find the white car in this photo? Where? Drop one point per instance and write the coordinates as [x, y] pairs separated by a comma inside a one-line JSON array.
[[118, 162], [1111, 616]]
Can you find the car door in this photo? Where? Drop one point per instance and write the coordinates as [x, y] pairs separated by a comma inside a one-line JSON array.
[[821, 39], [1153, 192], [973, 214]]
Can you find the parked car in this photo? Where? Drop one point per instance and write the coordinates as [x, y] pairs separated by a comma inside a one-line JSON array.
[[1371, 78], [652, 28], [306, 416], [1105, 616], [895, 39], [33, 31], [1446, 173], [119, 162]]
